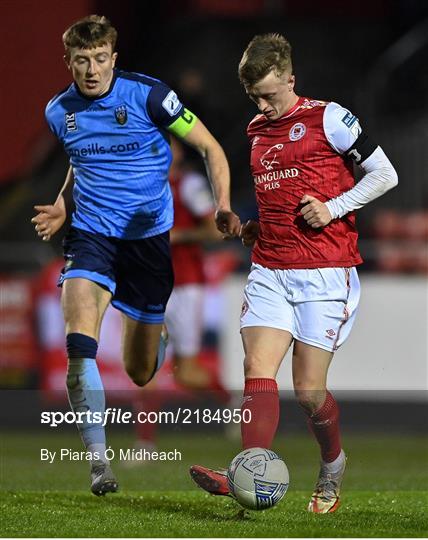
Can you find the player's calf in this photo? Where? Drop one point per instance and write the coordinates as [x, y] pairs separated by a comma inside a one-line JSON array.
[[143, 359], [85, 392]]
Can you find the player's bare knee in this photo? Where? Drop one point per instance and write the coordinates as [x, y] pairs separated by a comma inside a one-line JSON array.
[[139, 377], [309, 391], [141, 371], [255, 367], [84, 319], [310, 399]]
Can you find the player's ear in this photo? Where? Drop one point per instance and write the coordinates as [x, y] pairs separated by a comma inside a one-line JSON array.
[[291, 82], [114, 57], [66, 59]]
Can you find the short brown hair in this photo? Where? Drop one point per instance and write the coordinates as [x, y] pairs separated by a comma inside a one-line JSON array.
[[90, 32], [264, 53]]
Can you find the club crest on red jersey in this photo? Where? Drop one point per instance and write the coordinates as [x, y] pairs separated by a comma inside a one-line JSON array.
[[297, 131]]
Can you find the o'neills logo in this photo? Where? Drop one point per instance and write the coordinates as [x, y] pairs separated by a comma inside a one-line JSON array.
[[270, 180]]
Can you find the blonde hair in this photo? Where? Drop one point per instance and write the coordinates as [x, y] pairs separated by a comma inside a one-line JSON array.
[[88, 33], [265, 53]]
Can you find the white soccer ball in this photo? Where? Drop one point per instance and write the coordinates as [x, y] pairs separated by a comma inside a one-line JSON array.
[[258, 478]]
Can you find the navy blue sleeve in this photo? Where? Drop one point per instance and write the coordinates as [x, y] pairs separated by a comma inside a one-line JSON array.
[[163, 105]]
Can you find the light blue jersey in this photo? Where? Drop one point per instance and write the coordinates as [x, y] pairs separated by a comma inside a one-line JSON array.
[[120, 154]]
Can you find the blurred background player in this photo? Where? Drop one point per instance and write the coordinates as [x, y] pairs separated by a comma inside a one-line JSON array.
[[112, 125], [194, 226], [303, 285]]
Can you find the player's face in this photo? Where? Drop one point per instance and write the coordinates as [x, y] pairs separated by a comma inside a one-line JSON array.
[[92, 69], [274, 94]]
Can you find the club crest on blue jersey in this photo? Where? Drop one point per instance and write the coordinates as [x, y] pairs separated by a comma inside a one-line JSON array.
[[121, 115], [70, 121]]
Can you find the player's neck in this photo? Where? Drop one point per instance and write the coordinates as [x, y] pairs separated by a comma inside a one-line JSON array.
[[291, 104]]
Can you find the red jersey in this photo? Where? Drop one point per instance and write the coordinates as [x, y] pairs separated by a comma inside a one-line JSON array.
[[290, 157], [192, 201]]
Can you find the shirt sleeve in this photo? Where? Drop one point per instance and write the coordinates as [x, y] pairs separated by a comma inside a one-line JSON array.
[[345, 136], [50, 119], [166, 111], [341, 127], [379, 177], [163, 105]]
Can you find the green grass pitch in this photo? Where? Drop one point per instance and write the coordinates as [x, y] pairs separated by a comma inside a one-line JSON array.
[[385, 491]]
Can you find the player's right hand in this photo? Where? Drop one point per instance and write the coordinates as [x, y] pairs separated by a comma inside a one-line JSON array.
[[50, 219], [227, 223], [249, 233]]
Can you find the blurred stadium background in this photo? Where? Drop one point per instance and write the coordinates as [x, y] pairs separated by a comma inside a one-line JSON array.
[[370, 58]]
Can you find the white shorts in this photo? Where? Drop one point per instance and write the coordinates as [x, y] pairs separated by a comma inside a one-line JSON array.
[[183, 319], [316, 306]]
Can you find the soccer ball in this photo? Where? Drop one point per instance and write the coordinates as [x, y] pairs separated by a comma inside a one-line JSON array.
[[258, 478]]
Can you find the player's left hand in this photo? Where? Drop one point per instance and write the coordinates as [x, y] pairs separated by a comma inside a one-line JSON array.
[[315, 212], [227, 223], [249, 233]]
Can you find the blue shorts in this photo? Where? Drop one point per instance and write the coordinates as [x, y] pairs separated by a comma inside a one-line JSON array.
[[138, 273]]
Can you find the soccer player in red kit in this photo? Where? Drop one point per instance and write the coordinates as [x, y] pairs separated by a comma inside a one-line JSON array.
[[303, 286]]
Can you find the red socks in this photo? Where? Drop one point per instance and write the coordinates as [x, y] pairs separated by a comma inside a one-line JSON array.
[[261, 399], [324, 424]]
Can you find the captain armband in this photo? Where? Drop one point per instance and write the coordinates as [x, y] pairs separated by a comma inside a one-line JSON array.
[[362, 148], [183, 124]]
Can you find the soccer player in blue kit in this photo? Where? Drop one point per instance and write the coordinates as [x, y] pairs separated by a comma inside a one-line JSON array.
[[114, 126]]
